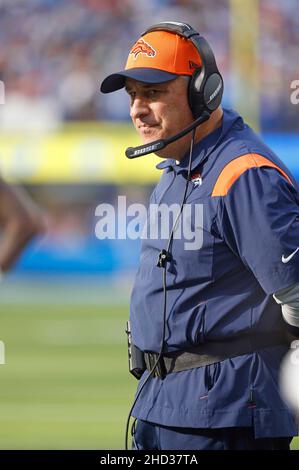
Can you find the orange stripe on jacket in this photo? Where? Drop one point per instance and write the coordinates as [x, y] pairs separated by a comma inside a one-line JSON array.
[[237, 167]]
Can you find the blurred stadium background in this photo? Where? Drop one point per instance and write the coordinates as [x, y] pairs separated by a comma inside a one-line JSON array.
[[64, 306]]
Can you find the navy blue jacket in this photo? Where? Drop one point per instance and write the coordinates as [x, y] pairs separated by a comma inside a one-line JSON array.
[[248, 217]]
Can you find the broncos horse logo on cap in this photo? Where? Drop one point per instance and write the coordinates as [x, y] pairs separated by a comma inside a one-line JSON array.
[[142, 47]]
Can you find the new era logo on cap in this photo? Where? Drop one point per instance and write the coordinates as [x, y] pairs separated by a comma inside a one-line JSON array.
[[193, 65]]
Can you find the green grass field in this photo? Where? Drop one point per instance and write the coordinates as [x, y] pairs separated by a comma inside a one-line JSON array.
[[65, 383]]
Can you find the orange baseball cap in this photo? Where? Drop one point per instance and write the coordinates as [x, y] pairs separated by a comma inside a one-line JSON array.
[[157, 57]]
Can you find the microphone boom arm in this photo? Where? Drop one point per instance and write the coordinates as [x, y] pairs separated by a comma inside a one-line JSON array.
[[135, 152]]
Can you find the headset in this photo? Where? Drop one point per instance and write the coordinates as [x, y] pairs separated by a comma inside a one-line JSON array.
[[205, 92], [205, 87]]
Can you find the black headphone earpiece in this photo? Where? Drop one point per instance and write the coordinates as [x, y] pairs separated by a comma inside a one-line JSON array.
[[206, 84]]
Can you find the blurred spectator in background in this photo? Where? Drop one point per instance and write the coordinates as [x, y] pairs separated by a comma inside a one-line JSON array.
[[20, 221], [54, 52]]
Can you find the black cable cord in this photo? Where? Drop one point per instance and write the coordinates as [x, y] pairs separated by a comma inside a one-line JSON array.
[[185, 192], [167, 258]]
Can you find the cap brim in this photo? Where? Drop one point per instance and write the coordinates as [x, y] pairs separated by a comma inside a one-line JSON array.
[[116, 81]]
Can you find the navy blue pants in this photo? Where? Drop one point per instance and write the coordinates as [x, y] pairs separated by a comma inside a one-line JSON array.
[[150, 436]]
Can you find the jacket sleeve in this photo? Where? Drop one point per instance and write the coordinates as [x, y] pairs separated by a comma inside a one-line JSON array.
[[259, 220]]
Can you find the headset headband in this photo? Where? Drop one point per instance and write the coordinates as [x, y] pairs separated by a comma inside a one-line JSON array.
[[186, 31]]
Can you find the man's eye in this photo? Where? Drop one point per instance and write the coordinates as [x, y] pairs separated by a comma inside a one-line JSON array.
[[153, 92]]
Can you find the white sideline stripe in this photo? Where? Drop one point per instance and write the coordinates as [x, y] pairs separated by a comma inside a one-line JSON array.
[[54, 294]]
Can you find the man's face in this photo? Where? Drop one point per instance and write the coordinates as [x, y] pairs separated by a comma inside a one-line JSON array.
[[161, 111]]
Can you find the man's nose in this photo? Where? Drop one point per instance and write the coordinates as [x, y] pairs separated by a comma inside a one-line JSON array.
[[139, 108]]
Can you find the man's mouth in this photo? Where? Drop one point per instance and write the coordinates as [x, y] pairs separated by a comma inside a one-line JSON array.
[[147, 129]]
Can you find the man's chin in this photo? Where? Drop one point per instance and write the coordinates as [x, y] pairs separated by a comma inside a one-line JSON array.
[[150, 136], [163, 153], [147, 141]]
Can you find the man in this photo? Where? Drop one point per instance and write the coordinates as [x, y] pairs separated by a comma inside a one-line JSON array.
[[207, 324], [20, 221]]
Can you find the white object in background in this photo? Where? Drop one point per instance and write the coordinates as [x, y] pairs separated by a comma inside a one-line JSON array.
[[289, 377]]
